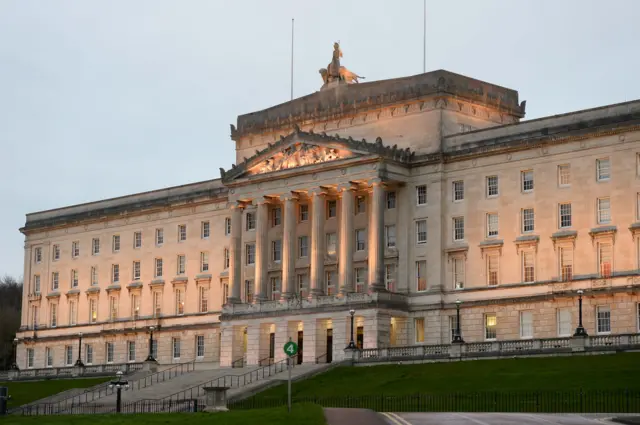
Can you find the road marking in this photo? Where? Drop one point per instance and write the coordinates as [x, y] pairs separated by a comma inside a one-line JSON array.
[[391, 418], [478, 421], [400, 419]]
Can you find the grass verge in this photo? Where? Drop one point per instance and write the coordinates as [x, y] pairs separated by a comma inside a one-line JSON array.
[[27, 392]]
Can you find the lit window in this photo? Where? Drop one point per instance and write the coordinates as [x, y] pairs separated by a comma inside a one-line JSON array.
[[528, 268], [490, 324], [492, 186], [603, 169], [276, 216], [604, 211], [421, 195], [564, 175], [303, 246], [135, 306], [95, 246], [303, 212], [527, 181], [159, 237], [182, 264], [565, 255], [332, 208], [493, 269], [458, 190], [137, 240], [564, 322], [93, 310], [605, 258], [419, 325], [603, 316], [390, 236], [458, 228], [250, 253], [492, 225], [421, 232], [391, 200], [182, 232], [421, 275], [204, 262], [564, 210], [526, 324], [158, 272], [205, 230], [528, 220], [360, 240], [276, 251]]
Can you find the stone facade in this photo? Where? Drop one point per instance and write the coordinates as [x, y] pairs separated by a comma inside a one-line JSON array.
[[448, 197]]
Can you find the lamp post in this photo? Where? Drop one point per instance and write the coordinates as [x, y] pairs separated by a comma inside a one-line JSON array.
[[352, 344], [79, 361], [14, 366], [580, 331], [119, 385], [150, 356], [457, 336]]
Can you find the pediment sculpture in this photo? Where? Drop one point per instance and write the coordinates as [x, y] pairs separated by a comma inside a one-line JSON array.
[[298, 155]]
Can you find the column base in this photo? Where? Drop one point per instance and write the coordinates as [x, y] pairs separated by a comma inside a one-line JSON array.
[[232, 300], [378, 287]]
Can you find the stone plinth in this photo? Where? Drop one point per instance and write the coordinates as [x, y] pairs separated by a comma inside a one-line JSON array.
[[150, 366], [578, 343], [216, 399]]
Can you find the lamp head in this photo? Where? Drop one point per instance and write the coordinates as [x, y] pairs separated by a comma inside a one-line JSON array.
[[119, 374], [580, 292], [151, 328], [15, 341], [352, 312], [80, 334], [458, 302]]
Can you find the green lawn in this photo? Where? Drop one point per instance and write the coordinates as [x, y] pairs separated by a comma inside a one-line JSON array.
[[302, 414], [26, 392]]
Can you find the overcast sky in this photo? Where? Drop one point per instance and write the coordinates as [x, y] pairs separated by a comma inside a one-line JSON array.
[[105, 98]]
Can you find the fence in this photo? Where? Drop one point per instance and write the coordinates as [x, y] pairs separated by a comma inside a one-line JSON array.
[[138, 407], [578, 401]]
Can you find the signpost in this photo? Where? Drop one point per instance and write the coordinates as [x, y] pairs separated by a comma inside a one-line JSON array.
[[290, 349]]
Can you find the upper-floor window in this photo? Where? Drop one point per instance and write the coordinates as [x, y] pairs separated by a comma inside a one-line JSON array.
[[332, 242], [390, 236], [332, 208], [159, 268], [492, 186], [250, 253], [115, 273], [95, 246], [159, 237], [36, 284], [528, 220], [136, 270], [603, 169], [421, 232], [204, 261], [421, 195], [203, 301], [565, 257], [227, 226], [75, 249], [113, 308], [330, 282], [137, 240], [564, 212], [458, 228], [55, 281], [360, 204], [604, 211], [360, 239], [303, 212], [38, 255], [564, 175], [225, 291], [605, 259], [56, 252], [205, 230], [182, 232], [391, 200], [74, 278], [421, 275], [493, 269], [361, 279], [528, 267], [225, 259], [276, 250], [276, 216], [94, 276], [182, 264], [93, 310], [492, 225], [527, 180], [458, 272], [179, 302], [303, 246], [458, 190], [115, 243], [390, 277]]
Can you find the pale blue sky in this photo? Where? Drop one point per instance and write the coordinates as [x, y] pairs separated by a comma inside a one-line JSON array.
[[106, 98]]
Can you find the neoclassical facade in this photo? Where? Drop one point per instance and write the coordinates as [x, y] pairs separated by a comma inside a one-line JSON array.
[[392, 198]]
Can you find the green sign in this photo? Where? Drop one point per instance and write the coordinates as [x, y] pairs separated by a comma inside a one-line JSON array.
[[291, 348]]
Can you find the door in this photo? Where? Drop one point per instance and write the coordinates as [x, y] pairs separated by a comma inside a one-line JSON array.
[[300, 338], [329, 345], [360, 337], [272, 346]]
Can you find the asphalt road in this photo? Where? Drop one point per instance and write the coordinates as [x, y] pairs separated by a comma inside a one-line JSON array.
[[492, 419]]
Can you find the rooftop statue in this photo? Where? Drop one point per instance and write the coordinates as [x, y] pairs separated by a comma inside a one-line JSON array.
[[335, 72]]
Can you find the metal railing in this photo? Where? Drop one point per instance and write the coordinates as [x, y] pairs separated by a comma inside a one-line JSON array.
[[322, 358], [238, 363], [266, 361], [72, 371], [141, 406], [165, 375]]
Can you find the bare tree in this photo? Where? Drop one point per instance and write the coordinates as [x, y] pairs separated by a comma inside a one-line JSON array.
[[10, 308]]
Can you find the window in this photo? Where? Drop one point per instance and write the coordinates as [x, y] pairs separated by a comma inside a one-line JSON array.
[[276, 216], [93, 310], [603, 316], [303, 246], [492, 186], [391, 200], [38, 255], [421, 232], [390, 236], [527, 180], [458, 272], [30, 358], [528, 220], [131, 351], [115, 273], [154, 348], [492, 225], [159, 237], [493, 269], [564, 212], [182, 232], [605, 259], [275, 283], [564, 322], [225, 259], [55, 281], [248, 291], [360, 239], [303, 284], [421, 275], [182, 264], [490, 324], [36, 284], [137, 240], [49, 357], [526, 324], [390, 277], [35, 317], [458, 190], [200, 346], [175, 342], [227, 226], [419, 325], [115, 243], [638, 206], [113, 308], [203, 302], [75, 249], [95, 246], [330, 282], [158, 271], [250, 254], [179, 302], [603, 169], [360, 205], [205, 229], [53, 319], [421, 195], [458, 229], [56, 252], [94, 276], [332, 209], [157, 304], [135, 306], [303, 212], [110, 352], [225, 291], [68, 355], [276, 251], [528, 269], [136, 270], [604, 211], [88, 354], [73, 313], [204, 262], [361, 279], [565, 255], [332, 241], [74, 278], [564, 175]]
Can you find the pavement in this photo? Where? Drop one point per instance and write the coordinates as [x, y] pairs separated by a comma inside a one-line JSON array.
[[492, 419]]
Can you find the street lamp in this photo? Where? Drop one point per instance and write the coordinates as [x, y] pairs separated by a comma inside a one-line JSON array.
[[580, 331], [457, 336], [14, 366], [119, 385], [352, 344], [79, 361], [150, 356]]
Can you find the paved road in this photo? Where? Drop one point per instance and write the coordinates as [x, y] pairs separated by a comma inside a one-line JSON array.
[[492, 419]]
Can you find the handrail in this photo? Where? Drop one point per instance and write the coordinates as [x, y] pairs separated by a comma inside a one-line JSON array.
[[238, 363], [266, 361], [320, 357]]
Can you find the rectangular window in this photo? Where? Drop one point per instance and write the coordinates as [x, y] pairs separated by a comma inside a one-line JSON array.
[[225, 290], [115, 273], [421, 275], [113, 308], [55, 281], [390, 277], [604, 211], [53, 322], [131, 351], [88, 354], [490, 324], [38, 255], [250, 253], [74, 278], [564, 212], [332, 209], [493, 269], [458, 229], [204, 299], [179, 302], [68, 355], [276, 250], [93, 310], [605, 259], [182, 232], [175, 342], [303, 212], [135, 306], [421, 195], [200, 346], [603, 317], [527, 180], [49, 357], [361, 279], [157, 304], [227, 226], [275, 283], [492, 186], [330, 282], [159, 237], [182, 265], [421, 232], [332, 241], [528, 267], [204, 262], [136, 270], [115, 243], [94, 276], [35, 317], [276, 216], [302, 281], [526, 324], [419, 325], [110, 352], [73, 313], [95, 246], [453, 325], [248, 290], [303, 246], [361, 240], [458, 190], [158, 272], [225, 259], [390, 236], [75, 249], [391, 200], [154, 348], [603, 169], [565, 255], [528, 220], [36, 284], [564, 175], [205, 230], [492, 225], [30, 358], [360, 205], [458, 272], [56, 252], [137, 240], [564, 322]]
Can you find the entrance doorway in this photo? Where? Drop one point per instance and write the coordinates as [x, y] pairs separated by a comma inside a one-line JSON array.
[[360, 337], [272, 346], [300, 339], [329, 345]]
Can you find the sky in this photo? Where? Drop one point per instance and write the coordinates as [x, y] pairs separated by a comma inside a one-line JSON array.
[[103, 98]]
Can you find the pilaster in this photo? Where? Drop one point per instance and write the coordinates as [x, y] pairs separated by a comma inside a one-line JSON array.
[[376, 237], [346, 248], [289, 246], [235, 257], [317, 242], [262, 250]]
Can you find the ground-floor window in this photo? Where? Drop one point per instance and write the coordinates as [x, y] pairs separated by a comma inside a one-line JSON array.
[[131, 349], [603, 317], [68, 355], [110, 349], [526, 324], [419, 325], [564, 322], [88, 354], [176, 348], [30, 357], [490, 324], [200, 346]]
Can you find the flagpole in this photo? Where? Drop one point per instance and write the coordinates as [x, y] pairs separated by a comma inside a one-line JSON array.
[[424, 39], [292, 21]]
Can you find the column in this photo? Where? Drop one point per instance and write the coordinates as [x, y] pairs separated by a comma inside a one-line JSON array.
[[289, 246], [262, 250], [376, 238], [317, 242], [345, 262], [235, 255]]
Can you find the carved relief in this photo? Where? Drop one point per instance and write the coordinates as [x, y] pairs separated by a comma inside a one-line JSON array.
[[298, 155]]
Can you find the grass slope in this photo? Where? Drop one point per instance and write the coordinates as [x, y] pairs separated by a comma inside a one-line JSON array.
[[26, 392], [601, 372]]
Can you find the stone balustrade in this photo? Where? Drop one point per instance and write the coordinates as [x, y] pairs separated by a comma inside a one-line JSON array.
[[73, 371]]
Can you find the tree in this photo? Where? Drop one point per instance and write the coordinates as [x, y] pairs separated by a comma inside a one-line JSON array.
[[10, 308]]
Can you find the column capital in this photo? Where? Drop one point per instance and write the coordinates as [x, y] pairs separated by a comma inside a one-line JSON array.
[[237, 206], [377, 181], [345, 187], [289, 197], [318, 191]]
